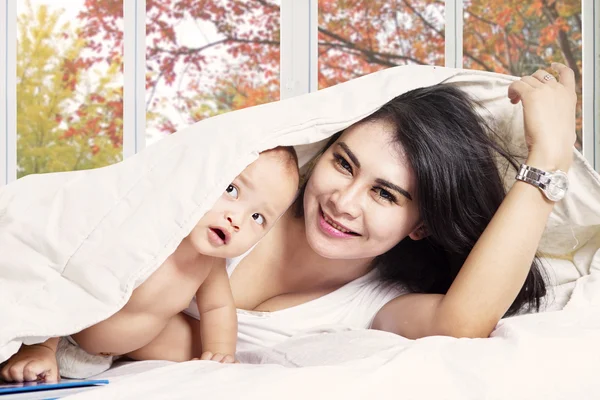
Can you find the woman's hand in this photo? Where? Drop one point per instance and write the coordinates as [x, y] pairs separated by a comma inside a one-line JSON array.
[[549, 116]]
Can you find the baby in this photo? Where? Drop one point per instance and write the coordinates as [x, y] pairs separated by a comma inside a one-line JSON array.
[[239, 219]]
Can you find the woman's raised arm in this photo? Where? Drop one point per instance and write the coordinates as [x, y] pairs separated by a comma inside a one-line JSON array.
[[497, 266]]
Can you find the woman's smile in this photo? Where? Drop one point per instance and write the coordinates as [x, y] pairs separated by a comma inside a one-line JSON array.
[[331, 228]]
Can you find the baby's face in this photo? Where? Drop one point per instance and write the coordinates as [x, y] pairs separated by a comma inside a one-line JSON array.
[[250, 206]]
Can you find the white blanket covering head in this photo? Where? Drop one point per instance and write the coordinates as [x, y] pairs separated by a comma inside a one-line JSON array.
[[73, 246]]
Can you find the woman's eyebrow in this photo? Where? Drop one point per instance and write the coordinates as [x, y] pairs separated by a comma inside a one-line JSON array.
[[396, 188], [382, 182], [350, 153]]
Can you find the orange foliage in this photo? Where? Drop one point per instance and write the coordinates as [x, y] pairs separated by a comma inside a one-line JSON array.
[[356, 37]]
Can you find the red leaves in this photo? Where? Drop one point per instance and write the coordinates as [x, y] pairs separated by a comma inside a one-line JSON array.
[[228, 56], [516, 37], [96, 98], [167, 127], [548, 35], [504, 17], [70, 132]]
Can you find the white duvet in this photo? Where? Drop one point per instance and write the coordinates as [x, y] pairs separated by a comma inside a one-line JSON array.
[[73, 246], [552, 356]]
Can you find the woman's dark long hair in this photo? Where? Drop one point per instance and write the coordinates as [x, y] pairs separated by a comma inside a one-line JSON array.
[[453, 154]]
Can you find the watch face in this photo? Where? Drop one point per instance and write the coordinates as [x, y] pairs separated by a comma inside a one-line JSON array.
[[557, 187]]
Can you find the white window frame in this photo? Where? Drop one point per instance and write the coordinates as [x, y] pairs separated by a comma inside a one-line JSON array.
[[8, 91], [298, 48], [134, 74], [298, 70], [453, 33], [590, 15]]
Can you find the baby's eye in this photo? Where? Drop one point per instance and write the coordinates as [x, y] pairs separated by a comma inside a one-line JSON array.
[[232, 191], [258, 218]]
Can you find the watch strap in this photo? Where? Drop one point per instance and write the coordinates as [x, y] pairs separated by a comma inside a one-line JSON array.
[[533, 176]]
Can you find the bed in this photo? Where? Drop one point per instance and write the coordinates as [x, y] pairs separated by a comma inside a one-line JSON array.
[[554, 355], [75, 245]]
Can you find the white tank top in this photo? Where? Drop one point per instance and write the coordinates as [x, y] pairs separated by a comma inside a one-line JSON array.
[[353, 306]]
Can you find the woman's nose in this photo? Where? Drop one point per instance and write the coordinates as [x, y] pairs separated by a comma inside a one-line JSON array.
[[346, 201]]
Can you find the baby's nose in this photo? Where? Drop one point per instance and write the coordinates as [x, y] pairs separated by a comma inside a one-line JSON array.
[[233, 225]]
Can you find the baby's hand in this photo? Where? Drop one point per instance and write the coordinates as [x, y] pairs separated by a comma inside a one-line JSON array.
[[218, 357], [31, 363]]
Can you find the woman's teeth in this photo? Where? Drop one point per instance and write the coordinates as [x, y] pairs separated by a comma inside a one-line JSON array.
[[336, 226]]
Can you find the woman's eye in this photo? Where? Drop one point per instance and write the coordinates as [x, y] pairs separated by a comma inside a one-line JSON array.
[[259, 219], [385, 195], [341, 161], [232, 191]]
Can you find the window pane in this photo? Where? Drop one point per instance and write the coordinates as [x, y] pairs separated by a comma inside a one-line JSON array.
[[357, 37], [517, 37], [207, 58], [69, 89]]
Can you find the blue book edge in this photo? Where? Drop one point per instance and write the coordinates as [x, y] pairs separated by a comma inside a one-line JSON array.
[[10, 388]]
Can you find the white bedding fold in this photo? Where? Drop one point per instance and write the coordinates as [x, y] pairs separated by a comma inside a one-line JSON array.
[[550, 356]]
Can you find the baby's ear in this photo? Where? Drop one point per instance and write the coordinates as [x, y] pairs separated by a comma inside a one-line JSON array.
[[419, 233]]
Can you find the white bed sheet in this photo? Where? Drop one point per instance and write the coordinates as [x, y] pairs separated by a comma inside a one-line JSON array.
[[551, 356]]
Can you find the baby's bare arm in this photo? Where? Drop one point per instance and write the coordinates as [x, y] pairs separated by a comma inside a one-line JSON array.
[[218, 319]]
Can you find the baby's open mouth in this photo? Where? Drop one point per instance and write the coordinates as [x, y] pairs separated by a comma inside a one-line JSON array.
[[219, 233]]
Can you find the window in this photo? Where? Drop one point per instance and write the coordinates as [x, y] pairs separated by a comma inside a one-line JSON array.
[[518, 37], [358, 37], [69, 89], [74, 71], [208, 58]]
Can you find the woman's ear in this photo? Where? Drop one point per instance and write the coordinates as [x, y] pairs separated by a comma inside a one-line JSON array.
[[419, 233]]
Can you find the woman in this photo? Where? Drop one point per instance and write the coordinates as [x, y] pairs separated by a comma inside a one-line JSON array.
[[403, 225], [413, 195]]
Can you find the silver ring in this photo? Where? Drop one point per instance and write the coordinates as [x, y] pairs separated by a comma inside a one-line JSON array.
[[548, 77]]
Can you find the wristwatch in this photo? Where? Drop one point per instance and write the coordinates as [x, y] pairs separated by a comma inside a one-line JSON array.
[[553, 184]]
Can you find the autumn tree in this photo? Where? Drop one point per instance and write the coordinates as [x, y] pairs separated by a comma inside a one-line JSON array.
[[65, 120], [356, 37], [517, 37]]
